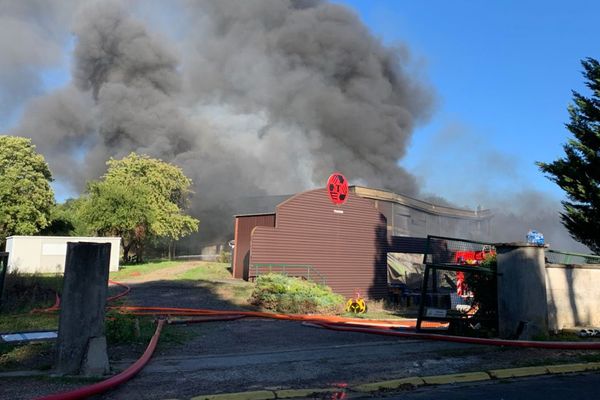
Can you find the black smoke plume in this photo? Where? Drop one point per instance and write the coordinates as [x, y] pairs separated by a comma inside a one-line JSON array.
[[248, 97]]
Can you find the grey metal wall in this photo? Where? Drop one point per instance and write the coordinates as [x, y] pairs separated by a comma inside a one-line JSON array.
[[406, 221]]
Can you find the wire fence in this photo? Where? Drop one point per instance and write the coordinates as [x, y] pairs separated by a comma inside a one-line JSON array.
[[443, 250], [564, 257]]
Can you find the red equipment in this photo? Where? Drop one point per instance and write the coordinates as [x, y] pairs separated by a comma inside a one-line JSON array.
[[468, 257]]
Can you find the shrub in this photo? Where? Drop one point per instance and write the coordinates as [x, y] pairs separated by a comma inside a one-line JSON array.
[[224, 257], [23, 292], [284, 294], [125, 328], [485, 294]]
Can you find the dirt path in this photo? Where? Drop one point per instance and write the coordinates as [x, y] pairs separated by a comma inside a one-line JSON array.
[[160, 274]]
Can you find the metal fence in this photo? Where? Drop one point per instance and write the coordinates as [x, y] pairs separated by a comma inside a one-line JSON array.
[[294, 270], [445, 250], [564, 257]]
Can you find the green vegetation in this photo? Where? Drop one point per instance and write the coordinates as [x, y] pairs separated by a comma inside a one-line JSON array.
[[24, 292], [379, 309], [207, 271], [127, 271], [485, 299], [294, 295], [28, 322], [26, 197], [578, 173], [140, 199], [65, 220], [36, 355], [131, 329]]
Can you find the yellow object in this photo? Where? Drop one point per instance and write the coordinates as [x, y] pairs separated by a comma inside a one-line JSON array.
[[356, 306]]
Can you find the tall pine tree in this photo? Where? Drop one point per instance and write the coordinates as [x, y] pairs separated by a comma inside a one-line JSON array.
[[578, 173]]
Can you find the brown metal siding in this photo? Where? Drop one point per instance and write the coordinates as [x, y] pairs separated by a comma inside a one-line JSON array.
[[243, 230], [349, 249]]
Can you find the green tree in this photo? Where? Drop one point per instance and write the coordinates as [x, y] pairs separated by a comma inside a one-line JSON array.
[[578, 173], [65, 220], [139, 199], [26, 197]]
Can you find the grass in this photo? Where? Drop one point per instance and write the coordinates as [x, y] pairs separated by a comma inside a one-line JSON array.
[[127, 271], [28, 322], [376, 309], [237, 293], [37, 355], [207, 271], [24, 292]]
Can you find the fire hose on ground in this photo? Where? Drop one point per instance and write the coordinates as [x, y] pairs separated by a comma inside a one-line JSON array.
[[403, 328]]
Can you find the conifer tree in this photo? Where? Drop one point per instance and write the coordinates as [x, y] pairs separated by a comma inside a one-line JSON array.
[[578, 172]]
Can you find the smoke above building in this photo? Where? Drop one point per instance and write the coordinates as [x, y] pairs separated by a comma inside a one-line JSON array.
[[250, 98], [253, 97]]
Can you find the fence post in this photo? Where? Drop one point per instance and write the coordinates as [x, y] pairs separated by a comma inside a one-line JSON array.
[[81, 345], [522, 300]]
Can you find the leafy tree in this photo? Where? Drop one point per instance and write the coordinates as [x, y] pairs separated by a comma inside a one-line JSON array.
[[65, 220], [139, 199], [578, 173], [26, 197]]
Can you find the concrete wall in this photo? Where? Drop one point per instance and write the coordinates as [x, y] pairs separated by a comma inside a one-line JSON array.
[[46, 254], [522, 304], [573, 293]]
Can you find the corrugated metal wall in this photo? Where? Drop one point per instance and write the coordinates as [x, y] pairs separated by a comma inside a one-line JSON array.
[[345, 243], [243, 230]]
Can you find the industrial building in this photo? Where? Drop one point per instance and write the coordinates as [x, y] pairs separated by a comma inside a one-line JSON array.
[[346, 246]]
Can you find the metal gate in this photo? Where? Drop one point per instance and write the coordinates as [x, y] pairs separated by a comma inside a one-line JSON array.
[[459, 286]]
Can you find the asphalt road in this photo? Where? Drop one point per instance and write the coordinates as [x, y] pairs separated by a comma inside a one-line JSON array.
[[554, 387]]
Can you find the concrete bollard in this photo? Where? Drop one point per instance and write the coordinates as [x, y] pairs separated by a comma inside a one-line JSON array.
[[522, 305], [81, 345]]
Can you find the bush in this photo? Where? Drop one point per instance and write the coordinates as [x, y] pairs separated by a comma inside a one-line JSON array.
[[125, 328], [284, 294], [485, 294], [24, 292], [224, 257]]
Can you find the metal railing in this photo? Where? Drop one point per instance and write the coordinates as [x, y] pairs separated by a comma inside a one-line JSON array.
[[565, 257], [294, 270]]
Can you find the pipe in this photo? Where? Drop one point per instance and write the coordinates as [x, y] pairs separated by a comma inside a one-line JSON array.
[[463, 339], [119, 295], [172, 311], [114, 381], [200, 319]]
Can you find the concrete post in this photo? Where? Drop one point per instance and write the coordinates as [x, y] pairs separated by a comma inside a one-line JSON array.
[[522, 305], [81, 345]]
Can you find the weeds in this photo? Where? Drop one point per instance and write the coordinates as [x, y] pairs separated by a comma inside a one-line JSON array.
[[294, 295]]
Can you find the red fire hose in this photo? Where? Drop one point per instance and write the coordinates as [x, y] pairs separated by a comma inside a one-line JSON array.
[[116, 380], [377, 327]]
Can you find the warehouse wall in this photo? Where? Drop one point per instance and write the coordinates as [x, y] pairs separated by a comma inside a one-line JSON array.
[[244, 225], [347, 243]]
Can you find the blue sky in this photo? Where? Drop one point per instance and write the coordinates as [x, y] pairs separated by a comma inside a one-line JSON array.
[[502, 72]]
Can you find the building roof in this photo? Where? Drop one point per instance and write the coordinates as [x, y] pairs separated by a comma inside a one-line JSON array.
[[386, 195], [265, 205]]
